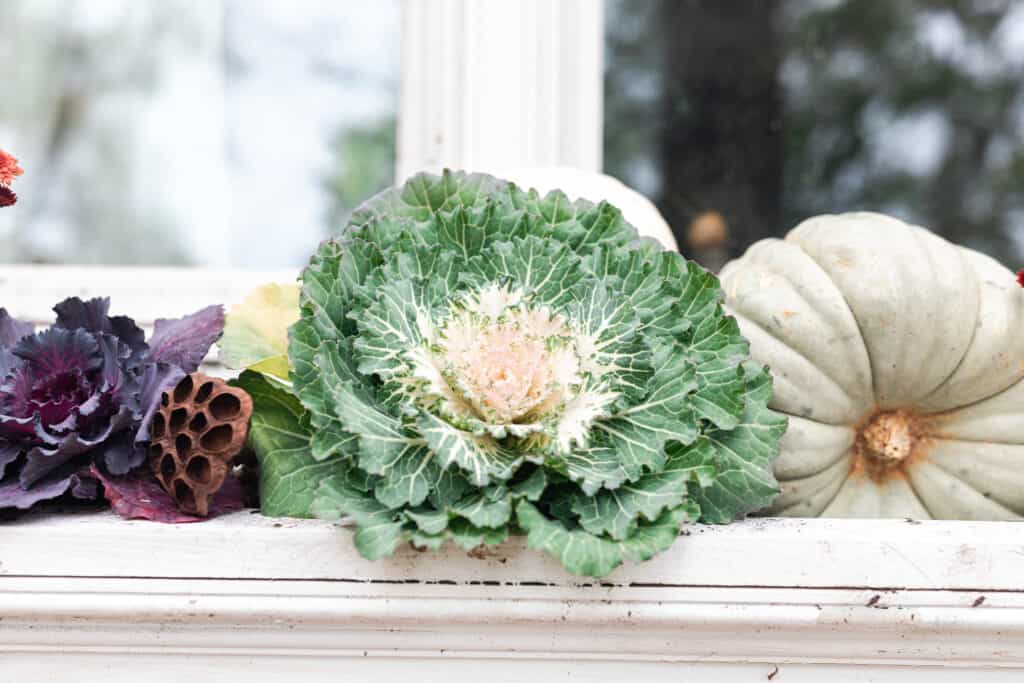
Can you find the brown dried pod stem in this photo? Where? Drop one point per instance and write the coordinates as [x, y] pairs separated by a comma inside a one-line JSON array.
[[202, 423]]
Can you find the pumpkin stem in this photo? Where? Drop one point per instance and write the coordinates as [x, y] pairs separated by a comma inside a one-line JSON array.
[[886, 440]]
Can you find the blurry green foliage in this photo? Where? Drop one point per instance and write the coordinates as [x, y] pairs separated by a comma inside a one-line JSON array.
[[67, 98], [364, 165]]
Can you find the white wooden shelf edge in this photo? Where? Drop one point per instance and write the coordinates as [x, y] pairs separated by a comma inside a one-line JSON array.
[[188, 617], [768, 552], [879, 596]]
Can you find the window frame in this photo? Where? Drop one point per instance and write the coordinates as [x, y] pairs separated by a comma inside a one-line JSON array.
[[545, 109]]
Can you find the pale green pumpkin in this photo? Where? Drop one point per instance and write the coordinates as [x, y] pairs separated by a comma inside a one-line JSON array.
[[899, 358]]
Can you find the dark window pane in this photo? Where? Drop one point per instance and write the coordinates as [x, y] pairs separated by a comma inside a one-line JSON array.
[[742, 118]]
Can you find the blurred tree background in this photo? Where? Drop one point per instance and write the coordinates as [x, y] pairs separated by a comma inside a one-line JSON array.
[[66, 96], [742, 118], [156, 132]]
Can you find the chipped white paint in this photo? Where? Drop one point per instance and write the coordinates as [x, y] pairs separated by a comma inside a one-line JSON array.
[[86, 596]]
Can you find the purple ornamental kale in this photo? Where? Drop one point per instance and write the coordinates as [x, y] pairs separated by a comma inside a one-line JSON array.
[[78, 393]]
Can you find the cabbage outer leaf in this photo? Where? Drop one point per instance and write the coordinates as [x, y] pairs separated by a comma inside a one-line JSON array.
[[281, 434]]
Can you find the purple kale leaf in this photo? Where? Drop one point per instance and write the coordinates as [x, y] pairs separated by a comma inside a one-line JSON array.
[[11, 330], [93, 316], [80, 393], [154, 379], [14, 495], [185, 342]]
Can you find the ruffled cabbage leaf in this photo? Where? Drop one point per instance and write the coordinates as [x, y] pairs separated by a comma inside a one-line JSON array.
[[473, 360]]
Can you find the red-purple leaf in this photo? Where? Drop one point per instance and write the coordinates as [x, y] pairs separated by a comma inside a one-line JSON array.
[[141, 497]]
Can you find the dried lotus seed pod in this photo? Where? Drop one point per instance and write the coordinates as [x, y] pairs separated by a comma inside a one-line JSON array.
[[202, 423]]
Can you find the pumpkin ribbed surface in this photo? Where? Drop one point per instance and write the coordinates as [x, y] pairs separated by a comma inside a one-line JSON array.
[[899, 358]]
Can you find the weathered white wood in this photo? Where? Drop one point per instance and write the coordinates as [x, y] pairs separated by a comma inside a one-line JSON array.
[[503, 623], [836, 600], [487, 85], [273, 668], [820, 553]]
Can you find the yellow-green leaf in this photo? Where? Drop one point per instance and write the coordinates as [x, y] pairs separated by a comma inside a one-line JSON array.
[[256, 331]]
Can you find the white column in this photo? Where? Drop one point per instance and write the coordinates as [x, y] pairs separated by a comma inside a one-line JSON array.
[[492, 84]]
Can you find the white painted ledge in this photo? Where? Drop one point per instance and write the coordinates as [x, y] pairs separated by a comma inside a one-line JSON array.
[[146, 293], [86, 596], [143, 293]]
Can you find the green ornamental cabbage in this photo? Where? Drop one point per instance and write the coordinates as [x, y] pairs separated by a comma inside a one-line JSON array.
[[474, 360]]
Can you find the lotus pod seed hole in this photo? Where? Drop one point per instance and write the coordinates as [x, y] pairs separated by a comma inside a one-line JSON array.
[[218, 438], [183, 390], [157, 426], [165, 400], [167, 466], [183, 494], [155, 451], [178, 418], [225, 407], [198, 424], [198, 470], [204, 392], [182, 445]]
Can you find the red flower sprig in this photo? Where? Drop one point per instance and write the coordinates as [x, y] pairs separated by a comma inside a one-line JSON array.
[[1020, 278], [9, 170]]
